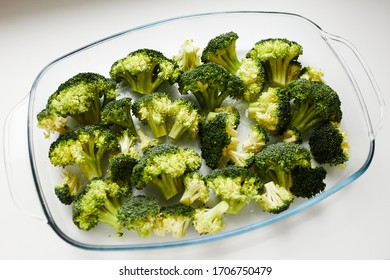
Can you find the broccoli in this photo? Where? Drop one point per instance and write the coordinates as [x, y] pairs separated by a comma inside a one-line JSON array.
[[222, 51], [272, 111], [276, 54], [307, 182], [120, 168], [312, 73], [173, 219], [294, 71], [98, 201], [188, 57], [84, 146], [210, 220], [328, 144], [235, 185], [195, 189], [276, 162], [145, 142], [292, 135], [274, 198], [233, 112], [68, 189], [164, 165], [118, 112], [187, 117], [81, 98], [139, 213], [256, 141], [252, 74], [145, 70], [152, 109], [127, 143], [219, 142], [313, 103], [211, 84]]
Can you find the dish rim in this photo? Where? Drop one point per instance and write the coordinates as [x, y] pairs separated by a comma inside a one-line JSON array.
[[200, 239]]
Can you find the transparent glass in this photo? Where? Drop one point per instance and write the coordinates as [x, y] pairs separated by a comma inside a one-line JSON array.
[[345, 71]]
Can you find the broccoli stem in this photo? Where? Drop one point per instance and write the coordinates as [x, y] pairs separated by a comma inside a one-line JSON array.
[[305, 117], [157, 130], [177, 131], [168, 185], [108, 213], [92, 116], [282, 178]]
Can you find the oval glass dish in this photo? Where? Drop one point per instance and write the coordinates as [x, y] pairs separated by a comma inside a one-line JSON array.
[[344, 69]]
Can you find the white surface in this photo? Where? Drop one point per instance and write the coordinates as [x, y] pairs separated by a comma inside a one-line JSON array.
[[353, 224]]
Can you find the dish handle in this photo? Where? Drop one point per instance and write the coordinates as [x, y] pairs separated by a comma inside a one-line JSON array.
[[363, 80], [17, 165]]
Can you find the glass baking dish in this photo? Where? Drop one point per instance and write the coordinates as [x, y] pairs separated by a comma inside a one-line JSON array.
[[345, 71]]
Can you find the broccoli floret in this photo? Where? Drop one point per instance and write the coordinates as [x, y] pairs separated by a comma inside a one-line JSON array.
[[256, 141], [219, 142], [276, 162], [252, 74], [164, 166], [272, 111], [188, 56], [292, 135], [152, 109], [195, 189], [118, 112], [210, 220], [233, 112], [51, 122], [127, 143], [173, 219], [275, 199], [120, 168], [222, 50], [211, 84], [84, 146], [328, 144], [276, 54], [313, 103], [98, 201], [294, 71], [139, 213], [80, 97], [307, 182], [68, 189], [312, 73], [187, 118], [235, 185], [145, 70], [145, 142]]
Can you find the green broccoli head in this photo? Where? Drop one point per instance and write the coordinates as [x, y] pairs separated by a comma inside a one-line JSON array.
[[276, 162], [217, 138], [312, 73], [145, 141], [256, 141], [234, 114], [252, 74], [164, 166], [211, 84], [292, 135], [118, 112], [274, 198], [210, 220], [235, 185], [84, 146], [67, 190], [195, 189], [145, 70], [313, 103], [328, 144], [308, 182], [222, 51], [51, 122], [120, 168], [272, 111], [187, 57], [173, 219], [153, 109], [139, 213], [276, 54], [98, 201], [187, 118]]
